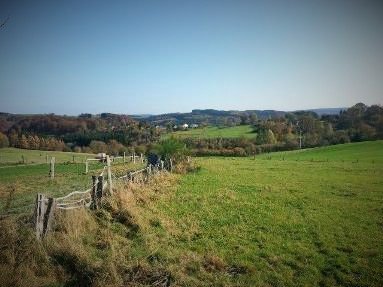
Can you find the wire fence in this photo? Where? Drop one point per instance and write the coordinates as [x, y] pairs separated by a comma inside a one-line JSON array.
[[102, 185]]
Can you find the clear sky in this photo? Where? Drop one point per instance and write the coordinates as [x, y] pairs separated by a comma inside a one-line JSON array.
[[69, 57]]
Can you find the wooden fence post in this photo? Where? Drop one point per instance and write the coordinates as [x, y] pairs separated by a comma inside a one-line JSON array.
[[86, 166], [93, 204], [43, 215], [99, 192], [109, 175], [170, 165], [124, 157], [52, 170], [47, 159], [130, 176], [162, 164], [142, 158], [134, 157], [73, 158]]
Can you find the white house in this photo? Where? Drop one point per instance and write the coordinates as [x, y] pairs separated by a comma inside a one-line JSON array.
[[185, 126]]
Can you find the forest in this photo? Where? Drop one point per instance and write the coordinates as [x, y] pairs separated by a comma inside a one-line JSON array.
[[118, 133]]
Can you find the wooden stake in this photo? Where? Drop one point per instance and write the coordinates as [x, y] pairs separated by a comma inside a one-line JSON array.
[[86, 166], [109, 174], [93, 205], [99, 192], [43, 215], [52, 170]]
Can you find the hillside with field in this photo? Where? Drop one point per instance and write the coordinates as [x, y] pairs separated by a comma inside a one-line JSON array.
[[301, 218], [246, 131]]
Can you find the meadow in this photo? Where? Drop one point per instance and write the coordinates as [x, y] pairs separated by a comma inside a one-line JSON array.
[[20, 182], [15, 156], [217, 132], [304, 218], [312, 219]]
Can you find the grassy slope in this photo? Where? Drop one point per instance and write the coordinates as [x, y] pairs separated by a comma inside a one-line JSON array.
[[288, 222], [216, 132], [14, 155], [363, 151], [279, 222], [28, 180]]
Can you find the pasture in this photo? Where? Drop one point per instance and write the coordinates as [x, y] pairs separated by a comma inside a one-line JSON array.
[[13, 156], [21, 182], [274, 222], [217, 132], [303, 218]]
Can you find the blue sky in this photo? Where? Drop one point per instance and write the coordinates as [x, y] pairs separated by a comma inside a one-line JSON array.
[[133, 57]]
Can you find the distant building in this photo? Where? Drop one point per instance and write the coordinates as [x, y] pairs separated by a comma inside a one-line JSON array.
[[185, 126]]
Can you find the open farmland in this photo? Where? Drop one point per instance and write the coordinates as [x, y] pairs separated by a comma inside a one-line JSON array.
[[217, 132], [274, 222], [21, 182], [307, 218], [9, 156]]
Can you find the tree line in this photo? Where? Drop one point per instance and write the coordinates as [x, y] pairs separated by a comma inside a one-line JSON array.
[[85, 133], [297, 129]]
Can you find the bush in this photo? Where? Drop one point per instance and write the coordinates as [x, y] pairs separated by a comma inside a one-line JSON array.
[[171, 148]]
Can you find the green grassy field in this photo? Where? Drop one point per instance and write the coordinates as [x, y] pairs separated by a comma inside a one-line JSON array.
[[33, 177], [368, 152], [303, 218], [217, 132], [262, 222], [10, 156]]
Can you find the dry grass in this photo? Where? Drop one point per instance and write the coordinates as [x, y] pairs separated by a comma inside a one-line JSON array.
[[106, 247]]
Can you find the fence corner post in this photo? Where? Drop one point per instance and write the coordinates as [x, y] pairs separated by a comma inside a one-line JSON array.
[[43, 215], [99, 192], [93, 204], [52, 169], [110, 185]]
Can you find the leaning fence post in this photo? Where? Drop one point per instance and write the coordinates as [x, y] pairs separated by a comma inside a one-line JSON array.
[[99, 192], [43, 215], [52, 170], [130, 176], [109, 175], [93, 204]]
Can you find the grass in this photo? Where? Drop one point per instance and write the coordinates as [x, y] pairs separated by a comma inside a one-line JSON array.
[[217, 132], [9, 156], [368, 152], [262, 222], [21, 183], [307, 218]]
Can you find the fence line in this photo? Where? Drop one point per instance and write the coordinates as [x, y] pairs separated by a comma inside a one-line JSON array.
[[90, 198], [45, 207]]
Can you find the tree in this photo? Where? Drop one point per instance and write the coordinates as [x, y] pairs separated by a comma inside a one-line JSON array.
[[4, 142], [265, 136], [23, 142], [98, 146], [171, 148]]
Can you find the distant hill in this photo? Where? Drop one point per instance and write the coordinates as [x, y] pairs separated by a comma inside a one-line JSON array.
[[220, 117], [327, 111]]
